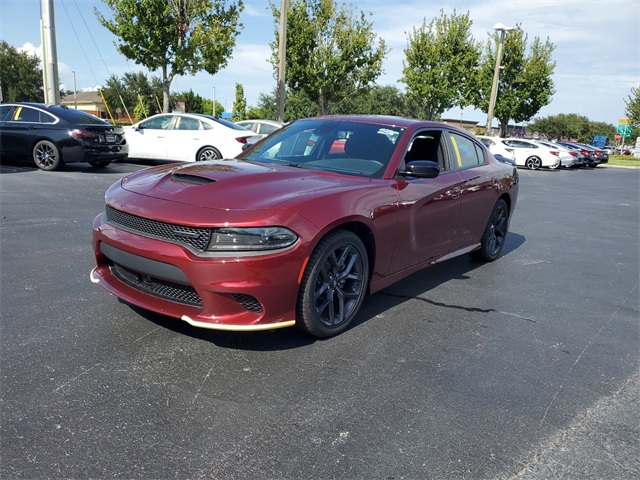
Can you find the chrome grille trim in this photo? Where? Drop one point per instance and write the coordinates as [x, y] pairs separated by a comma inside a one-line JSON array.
[[196, 237], [174, 292]]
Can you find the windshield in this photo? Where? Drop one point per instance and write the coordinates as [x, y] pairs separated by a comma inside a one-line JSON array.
[[350, 148]]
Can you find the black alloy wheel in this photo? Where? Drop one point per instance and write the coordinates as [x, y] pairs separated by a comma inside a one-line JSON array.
[[495, 233], [46, 156], [334, 285]]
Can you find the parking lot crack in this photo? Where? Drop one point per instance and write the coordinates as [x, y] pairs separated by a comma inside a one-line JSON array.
[[460, 307]]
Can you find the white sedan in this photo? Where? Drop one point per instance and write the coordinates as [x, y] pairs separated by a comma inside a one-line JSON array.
[[187, 137], [261, 127], [531, 155], [496, 147]]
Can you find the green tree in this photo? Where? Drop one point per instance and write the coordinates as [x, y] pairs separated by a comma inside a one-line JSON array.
[[20, 75], [525, 84], [239, 105], [440, 61], [375, 100], [331, 51], [632, 110], [297, 105], [192, 101], [207, 107], [570, 126], [131, 91], [177, 36]]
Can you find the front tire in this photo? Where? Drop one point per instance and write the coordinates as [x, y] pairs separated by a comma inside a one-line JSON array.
[[208, 153], [533, 163], [495, 233], [334, 285], [46, 156]]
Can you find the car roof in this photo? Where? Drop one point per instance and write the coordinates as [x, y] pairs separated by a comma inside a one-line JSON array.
[[391, 121]]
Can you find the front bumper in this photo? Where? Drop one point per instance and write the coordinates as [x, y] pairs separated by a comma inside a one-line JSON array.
[[240, 293]]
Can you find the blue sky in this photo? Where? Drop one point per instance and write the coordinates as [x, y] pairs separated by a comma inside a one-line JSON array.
[[597, 46]]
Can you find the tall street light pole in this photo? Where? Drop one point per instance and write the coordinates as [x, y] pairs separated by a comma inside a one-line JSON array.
[[49, 54], [75, 91], [498, 27], [282, 57]]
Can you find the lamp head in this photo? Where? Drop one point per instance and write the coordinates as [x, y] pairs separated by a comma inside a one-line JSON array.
[[501, 27]]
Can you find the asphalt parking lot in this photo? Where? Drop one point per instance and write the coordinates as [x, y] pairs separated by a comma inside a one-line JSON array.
[[523, 368]]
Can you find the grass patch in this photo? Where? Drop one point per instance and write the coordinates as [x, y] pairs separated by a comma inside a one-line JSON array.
[[624, 160]]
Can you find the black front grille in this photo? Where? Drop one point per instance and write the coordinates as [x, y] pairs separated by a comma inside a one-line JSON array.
[[247, 301], [197, 237], [160, 288]]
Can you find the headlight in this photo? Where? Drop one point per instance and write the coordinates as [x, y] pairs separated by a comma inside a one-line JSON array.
[[250, 239]]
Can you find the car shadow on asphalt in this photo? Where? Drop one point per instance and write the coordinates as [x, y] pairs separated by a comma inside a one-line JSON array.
[[411, 287], [12, 164]]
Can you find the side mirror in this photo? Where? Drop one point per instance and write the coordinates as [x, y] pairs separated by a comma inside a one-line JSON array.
[[138, 127], [421, 169]]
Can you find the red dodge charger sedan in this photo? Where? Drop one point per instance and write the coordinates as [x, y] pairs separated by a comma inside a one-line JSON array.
[[299, 228]]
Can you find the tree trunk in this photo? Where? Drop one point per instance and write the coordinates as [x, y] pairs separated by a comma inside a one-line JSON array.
[[503, 127], [166, 86], [323, 103]]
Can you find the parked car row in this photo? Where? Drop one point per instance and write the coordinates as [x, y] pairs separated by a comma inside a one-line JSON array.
[[55, 135], [535, 154], [593, 156], [52, 135]]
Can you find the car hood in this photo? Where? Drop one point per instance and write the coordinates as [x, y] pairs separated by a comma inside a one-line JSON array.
[[234, 184]]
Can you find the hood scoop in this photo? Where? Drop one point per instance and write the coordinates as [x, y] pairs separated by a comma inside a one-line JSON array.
[[190, 178]]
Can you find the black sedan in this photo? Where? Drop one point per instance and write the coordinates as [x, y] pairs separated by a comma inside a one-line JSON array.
[[54, 135]]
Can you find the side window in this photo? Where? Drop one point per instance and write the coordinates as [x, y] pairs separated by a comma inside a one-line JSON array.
[[46, 118], [158, 123], [5, 112], [27, 114], [186, 123], [267, 129], [465, 152], [426, 145]]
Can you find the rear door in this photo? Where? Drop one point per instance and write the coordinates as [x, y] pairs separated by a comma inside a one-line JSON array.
[[186, 137], [479, 188]]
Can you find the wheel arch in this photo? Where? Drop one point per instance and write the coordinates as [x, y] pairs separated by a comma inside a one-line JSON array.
[[365, 234], [203, 147], [49, 139]]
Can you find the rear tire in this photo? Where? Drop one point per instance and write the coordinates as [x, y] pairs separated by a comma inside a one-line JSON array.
[[533, 163], [208, 153], [334, 285], [46, 156], [495, 234]]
